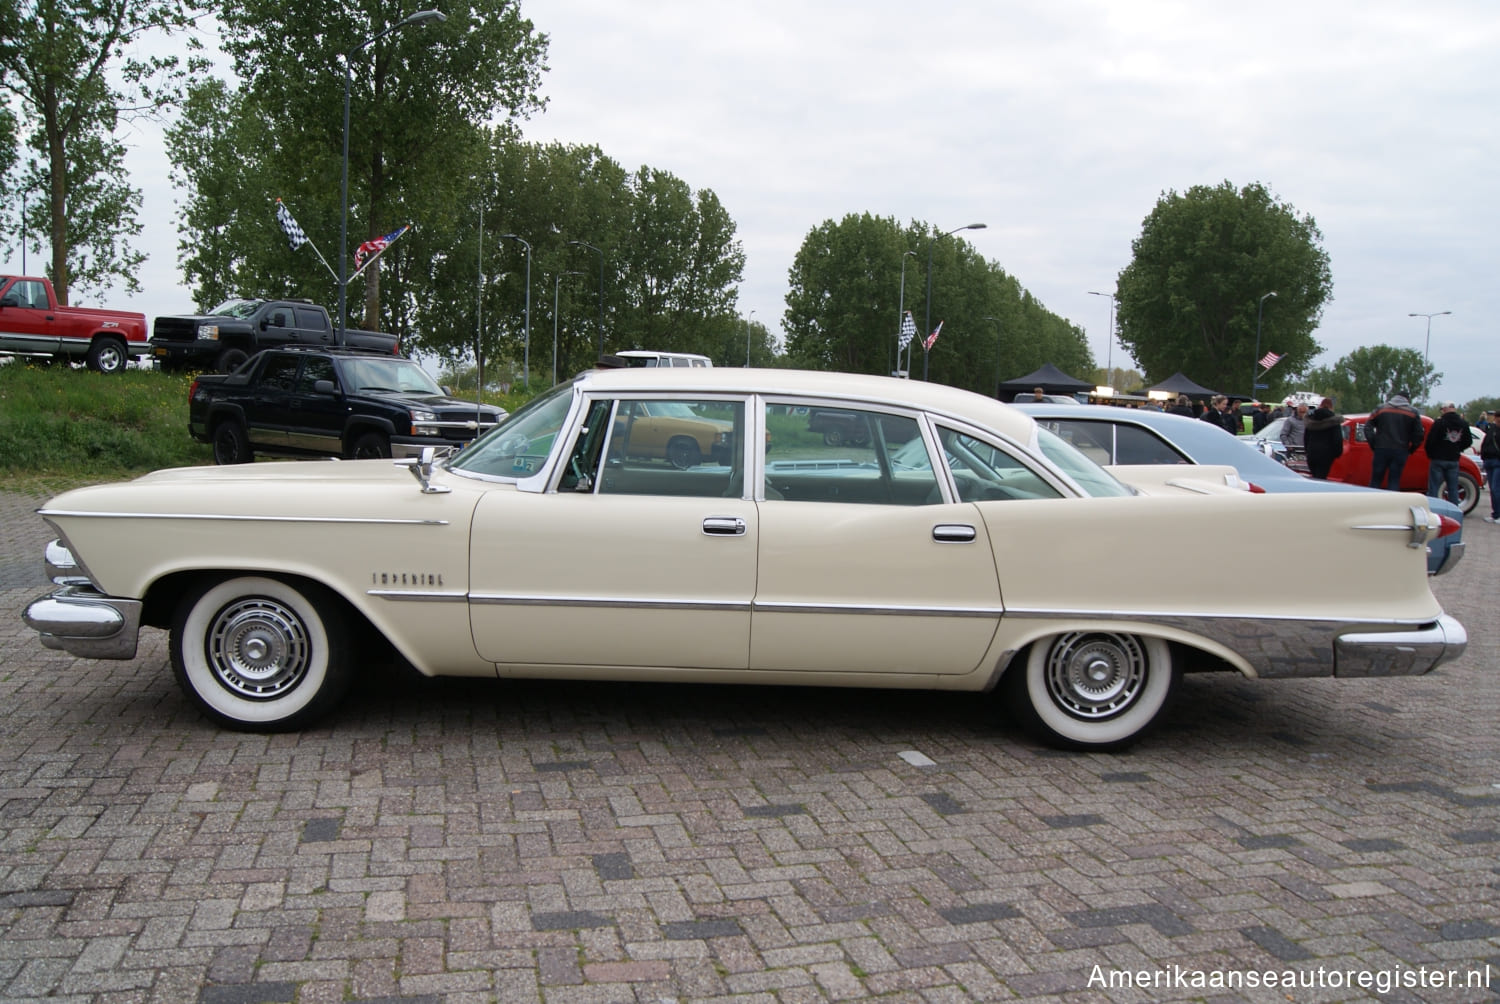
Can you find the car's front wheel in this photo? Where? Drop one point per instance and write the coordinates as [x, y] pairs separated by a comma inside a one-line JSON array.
[[370, 446], [1091, 690], [258, 654]]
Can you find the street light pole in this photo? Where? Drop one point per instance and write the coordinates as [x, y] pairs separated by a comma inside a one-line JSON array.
[[556, 282], [1109, 353], [997, 355], [1260, 312], [926, 331], [748, 319], [420, 17], [526, 352], [600, 253], [1426, 390], [900, 315]]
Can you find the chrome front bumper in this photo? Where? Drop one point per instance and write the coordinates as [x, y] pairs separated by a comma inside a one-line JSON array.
[[1399, 653], [83, 622]]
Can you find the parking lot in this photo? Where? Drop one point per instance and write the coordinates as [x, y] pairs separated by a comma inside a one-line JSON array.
[[569, 843]]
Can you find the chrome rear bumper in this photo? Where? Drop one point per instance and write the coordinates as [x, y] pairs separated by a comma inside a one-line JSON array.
[[1399, 653], [83, 622]]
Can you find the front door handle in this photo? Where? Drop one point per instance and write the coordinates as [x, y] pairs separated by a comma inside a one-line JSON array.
[[724, 526], [954, 533]]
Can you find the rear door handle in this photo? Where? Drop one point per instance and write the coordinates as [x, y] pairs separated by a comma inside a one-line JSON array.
[[724, 526], [954, 533]]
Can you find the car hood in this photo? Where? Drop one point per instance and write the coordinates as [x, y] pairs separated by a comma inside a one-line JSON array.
[[351, 489], [435, 402]]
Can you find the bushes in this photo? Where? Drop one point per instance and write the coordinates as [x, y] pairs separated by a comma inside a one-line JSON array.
[[61, 426]]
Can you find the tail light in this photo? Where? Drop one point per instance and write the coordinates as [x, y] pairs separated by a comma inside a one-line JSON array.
[[1255, 489], [1448, 525], [193, 390]]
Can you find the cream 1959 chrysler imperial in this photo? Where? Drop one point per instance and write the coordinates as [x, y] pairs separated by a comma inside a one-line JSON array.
[[957, 546]]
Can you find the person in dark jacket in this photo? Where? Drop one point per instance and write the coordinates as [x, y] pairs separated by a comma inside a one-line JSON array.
[[1448, 438], [1489, 452], [1323, 438], [1394, 432], [1218, 414], [1183, 407]]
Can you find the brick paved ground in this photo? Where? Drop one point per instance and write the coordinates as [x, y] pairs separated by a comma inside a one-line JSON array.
[[460, 841]]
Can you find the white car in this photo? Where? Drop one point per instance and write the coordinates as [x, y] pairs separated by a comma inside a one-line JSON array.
[[976, 563]]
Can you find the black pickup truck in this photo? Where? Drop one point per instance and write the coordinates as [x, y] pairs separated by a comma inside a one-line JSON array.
[[235, 330], [304, 402]]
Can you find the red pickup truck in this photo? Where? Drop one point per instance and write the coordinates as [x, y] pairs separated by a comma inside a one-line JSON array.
[[34, 323]]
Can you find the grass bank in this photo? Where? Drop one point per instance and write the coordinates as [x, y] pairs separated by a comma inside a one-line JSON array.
[[62, 427]]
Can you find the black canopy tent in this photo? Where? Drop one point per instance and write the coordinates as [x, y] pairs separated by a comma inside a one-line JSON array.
[[1051, 379], [1179, 384]]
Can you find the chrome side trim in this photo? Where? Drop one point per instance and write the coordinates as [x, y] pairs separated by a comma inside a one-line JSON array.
[[87, 514], [1285, 647], [1418, 527], [417, 596], [769, 606], [599, 602]]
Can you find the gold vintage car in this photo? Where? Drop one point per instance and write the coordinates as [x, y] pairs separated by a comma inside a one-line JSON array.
[[965, 559]]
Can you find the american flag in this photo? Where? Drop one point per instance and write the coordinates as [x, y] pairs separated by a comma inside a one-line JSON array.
[[927, 345], [294, 234], [377, 245], [1271, 359], [908, 330]]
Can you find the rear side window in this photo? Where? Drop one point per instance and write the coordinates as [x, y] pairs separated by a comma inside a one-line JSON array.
[[311, 320], [279, 373], [847, 455]]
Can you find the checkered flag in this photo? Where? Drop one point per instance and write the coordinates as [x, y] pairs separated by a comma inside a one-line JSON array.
[[294, 234], [908, 330]]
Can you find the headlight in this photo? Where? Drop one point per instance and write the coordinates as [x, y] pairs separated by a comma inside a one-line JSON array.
[[418, 417], [208, 331]]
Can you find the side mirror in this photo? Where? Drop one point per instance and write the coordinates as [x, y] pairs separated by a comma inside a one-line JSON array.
[[325, 387]]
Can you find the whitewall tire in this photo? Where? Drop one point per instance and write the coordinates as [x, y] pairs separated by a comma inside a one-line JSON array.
[[261, 655], [1091, 690]]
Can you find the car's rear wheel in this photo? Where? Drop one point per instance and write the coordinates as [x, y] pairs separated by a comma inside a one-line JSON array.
[[106, 355], [232, 443], [258, 654], [1468, 492], [833, 437], [1091, 690], [683, 453], [370, 446]]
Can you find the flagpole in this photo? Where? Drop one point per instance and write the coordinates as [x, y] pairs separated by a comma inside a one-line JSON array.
[[1255, 380]]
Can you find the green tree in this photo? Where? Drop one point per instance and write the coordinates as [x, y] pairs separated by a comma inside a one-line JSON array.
[[417, 97], [1190, 298], [846, 288], [1365, 378], [56, 58]]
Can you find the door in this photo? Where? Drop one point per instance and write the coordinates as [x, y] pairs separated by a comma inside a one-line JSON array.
[[625, 562], [865, 567], [315, 422], [270, 416], [27, 324]]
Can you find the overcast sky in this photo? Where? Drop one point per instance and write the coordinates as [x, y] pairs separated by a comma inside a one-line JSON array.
[[1058, 123]]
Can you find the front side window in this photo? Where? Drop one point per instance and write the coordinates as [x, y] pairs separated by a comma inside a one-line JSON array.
[[828, 454], [690, 448], [314, 369], [1093, 479]]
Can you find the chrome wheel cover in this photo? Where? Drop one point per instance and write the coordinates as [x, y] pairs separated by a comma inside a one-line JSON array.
[[257, 648], [1094, 676]]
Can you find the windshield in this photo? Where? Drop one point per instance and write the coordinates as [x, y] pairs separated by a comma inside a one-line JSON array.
[[1092, 478], [235, 308], [386, 374], [519, 445]]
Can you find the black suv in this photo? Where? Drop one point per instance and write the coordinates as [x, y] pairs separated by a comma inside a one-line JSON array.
[[295, 402]]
